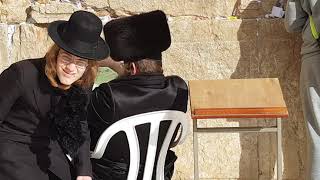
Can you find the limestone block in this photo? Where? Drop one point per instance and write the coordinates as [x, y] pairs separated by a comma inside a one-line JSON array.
[[34, 41], [248, 30], [127, 5], [248, 9], [55, 10], [56, 7], [38, 18], [219, 155], [42, 1], [187, 29], [204, 9], [273, 58], [211, 60], [177, 7], [97, 3], [12, 11], [253, 8], [9, 43], [4, 56], [273, 29], [215, 50], [14, 48]]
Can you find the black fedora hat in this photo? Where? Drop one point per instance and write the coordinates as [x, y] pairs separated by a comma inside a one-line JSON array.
[[80, 36], [138, 37]]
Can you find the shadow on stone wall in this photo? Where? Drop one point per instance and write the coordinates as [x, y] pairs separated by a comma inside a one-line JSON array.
[[267, 51]]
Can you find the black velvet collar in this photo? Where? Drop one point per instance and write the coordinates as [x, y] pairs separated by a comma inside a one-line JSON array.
[[144, 80]]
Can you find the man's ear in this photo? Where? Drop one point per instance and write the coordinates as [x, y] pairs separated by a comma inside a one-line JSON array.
[[133, 68]]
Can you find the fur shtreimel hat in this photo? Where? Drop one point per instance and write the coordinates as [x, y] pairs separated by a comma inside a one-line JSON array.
[[138, 37]]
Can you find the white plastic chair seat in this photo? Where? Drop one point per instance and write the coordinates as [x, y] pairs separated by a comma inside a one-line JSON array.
[[128, 125]]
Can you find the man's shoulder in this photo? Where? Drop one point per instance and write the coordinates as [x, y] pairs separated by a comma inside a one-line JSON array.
[[102, 90], [175, 77], [29, 68], [177, 80], [120, 81], [30, 64]]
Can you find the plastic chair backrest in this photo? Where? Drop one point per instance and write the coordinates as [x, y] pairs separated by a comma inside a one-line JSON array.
[[128, 125]]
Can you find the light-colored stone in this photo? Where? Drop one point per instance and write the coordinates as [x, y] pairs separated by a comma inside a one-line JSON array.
[[55, 10], [253, 8], [9, 43], [13, 11], [187, 29], [42, 1], [273, 29], [4, 56], [43, 18], [97, 4], [34, 41], [15, 49], [206, 9], [56, 7], [177, 7]]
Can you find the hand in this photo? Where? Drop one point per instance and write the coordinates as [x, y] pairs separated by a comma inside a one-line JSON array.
[[116, 66], [84, 178], [105, 62], [108, 62]]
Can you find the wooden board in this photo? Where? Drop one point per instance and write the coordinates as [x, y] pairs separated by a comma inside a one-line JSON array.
[[237, 98]]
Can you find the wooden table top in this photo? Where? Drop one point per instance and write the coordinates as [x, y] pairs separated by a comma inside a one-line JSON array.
[[237, 98]]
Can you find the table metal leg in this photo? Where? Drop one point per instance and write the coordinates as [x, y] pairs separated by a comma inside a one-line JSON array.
[[279, 149], [195, 149]]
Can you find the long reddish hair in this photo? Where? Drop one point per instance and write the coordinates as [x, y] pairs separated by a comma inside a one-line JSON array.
[[86, 81]]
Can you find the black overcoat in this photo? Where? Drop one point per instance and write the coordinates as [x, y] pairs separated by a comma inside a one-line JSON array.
[[28, 149], [124, 97]]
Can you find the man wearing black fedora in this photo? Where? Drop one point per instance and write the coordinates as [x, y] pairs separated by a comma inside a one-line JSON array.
[[43, 105], [138, 41]]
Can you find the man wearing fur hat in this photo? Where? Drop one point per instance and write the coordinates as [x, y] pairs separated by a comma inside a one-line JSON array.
[[137, 41]]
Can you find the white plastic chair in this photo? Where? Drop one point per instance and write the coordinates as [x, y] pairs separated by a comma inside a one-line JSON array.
[[128, 126]]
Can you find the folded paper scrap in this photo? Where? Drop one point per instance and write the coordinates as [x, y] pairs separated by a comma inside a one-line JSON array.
[[277, 12]]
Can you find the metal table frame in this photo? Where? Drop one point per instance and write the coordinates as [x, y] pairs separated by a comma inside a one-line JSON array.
[[275, 129]]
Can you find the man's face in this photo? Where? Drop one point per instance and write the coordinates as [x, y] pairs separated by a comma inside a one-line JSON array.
[[70, 68]]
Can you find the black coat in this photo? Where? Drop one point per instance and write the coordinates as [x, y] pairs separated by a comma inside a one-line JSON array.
[[127, 96], [28, 138]]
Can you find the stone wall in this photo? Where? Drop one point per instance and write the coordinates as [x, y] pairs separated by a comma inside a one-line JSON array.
[[206, 45]]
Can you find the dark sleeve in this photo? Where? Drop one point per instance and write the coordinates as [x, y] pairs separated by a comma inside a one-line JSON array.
[[316, 15], [181, 100], [295, 17], [101, 107], [10, 89], [100, 112]]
